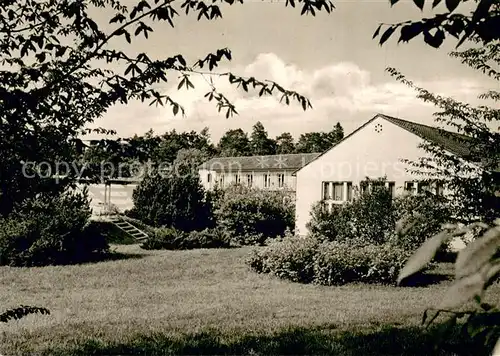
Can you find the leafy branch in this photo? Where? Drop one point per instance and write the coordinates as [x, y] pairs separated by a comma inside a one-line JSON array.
[[21, 312], [482, 24]]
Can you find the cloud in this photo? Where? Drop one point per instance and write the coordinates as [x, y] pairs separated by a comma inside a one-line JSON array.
[[341, 92]]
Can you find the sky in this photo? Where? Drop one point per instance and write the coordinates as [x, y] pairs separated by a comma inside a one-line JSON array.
[[331, 59]]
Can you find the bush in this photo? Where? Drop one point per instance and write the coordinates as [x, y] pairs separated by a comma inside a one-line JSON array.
[[308, 260], [50, 230], [251, 216], [172, 200], [370, 217], [333, 225], [339, 263], [289, 258], [172, 239], [427, 213]]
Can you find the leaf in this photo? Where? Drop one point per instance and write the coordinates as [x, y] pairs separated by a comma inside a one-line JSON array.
[[423, 255], [492, 273], [41, 56], [377, 31], [451, 5], [129, 68], [118, 18], [60, 51], [463, 291], [182, 82], [477, 253], [496, 349], [393, 2], [175, 109], [305, 8], [435, 3], [434, 40], [424, 317], [419, 3], [388, 33], [127, 37], [409, 32]]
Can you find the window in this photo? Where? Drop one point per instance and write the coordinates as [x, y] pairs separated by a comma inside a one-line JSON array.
[[267, 180], [433, 188], [376, 185], [281, 180], [326, 191], [209, 177], [370, 186], [392, 188], [349, 191], [410, 186], [363, 186], [337, 191], [423, 187], [249, 180], [237, 178], [221, 180]]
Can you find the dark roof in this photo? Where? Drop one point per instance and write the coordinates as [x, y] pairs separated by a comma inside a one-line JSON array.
[[450, 141], [284, 162]]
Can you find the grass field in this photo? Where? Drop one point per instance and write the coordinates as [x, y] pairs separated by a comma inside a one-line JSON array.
[[209, 295]]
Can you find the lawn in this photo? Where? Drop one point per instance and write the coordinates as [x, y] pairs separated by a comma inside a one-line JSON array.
[[166, 294]]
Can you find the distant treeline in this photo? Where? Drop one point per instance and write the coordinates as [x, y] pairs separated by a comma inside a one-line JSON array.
[[164, 148]]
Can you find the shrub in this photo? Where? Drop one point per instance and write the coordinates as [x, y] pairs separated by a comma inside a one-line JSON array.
[[50, 230], [172, 200], [331, 225], [289, 258], [172, 239], [339, 263], [250, 216], [427, 213], [370, 217], [308, 260]]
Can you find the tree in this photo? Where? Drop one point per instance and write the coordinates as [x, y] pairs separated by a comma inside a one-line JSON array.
[[143, 147], [234, 143], [482, 24], [285, 143], [313, 142], [474, 179], [260, 143], [188, 160], [52, 87], [337, 133], [172, 142], [174, 197]]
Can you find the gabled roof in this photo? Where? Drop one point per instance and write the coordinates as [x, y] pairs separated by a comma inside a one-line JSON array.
[[284, 162], [450, 141]]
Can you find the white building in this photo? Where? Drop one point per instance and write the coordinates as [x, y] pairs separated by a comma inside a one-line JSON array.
[[374, 150], [264, 172]]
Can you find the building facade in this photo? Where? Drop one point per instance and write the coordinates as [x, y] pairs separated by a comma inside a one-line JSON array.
[[376, 150], [273, 172]]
